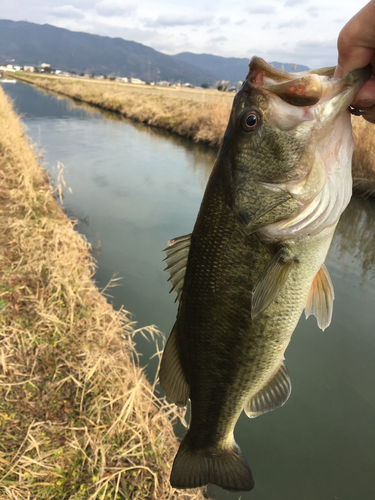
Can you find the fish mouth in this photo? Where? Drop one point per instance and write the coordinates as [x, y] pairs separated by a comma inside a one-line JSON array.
[[307, 88]]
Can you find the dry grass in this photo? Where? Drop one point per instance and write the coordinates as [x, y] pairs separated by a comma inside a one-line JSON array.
[[78, 420], [200, 115], [364, 157]]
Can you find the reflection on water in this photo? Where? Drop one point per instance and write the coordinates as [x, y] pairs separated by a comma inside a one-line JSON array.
[[200, 157], [353, 244], [141, 186]]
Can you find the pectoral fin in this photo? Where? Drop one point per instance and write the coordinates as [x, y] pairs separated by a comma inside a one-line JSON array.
[[171, 375], [320, 299], [271, 280], [177, 256], [273, 395]]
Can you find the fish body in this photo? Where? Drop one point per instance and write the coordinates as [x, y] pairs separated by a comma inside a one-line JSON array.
[[255, 261]]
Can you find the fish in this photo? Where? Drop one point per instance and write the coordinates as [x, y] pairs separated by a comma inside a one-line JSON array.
[[255, 261]]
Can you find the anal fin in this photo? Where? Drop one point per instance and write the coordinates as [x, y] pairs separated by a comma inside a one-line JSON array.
[[171, 375], [320, 299], [271, 280], [273, 395]]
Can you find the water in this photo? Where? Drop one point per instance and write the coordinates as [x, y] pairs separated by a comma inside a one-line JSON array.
[[133, 188]]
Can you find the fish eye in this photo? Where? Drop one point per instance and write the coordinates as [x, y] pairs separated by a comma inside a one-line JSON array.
[[249, 120]]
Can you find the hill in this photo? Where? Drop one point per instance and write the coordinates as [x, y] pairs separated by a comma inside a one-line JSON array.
[[33, 44], [233, 69]]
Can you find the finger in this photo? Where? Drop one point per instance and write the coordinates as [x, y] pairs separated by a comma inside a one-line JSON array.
[[370, 116], [356, 42], [365, 97]]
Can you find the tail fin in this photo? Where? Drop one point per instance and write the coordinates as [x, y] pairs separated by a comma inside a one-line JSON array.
[[227, 468]]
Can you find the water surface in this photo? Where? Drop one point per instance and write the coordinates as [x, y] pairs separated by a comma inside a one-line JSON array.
[[135, 187]]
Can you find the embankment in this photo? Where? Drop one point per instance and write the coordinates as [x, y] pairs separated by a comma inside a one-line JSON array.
[[201, 115], [78, 419]]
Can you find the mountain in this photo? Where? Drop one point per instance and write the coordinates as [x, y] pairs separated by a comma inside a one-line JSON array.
[[233, 69], [32, 44]]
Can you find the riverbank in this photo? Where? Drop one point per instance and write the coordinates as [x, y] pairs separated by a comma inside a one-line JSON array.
[[78, 420], [201, 115]]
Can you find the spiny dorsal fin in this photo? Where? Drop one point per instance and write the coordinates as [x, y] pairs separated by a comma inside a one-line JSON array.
[[320, 299], [271, 280], [171, 376], [176, 259], [273, 395]]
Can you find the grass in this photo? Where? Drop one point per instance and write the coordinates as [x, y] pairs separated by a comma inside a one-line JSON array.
[[200, 115], [78, 419], [364, 157]]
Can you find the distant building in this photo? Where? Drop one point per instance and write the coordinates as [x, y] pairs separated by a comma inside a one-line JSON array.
[[8, 67], [45, 65], [122, 79], [137, 80], [30, 69]]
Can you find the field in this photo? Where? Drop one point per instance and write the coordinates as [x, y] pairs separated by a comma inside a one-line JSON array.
[[78, 419], [201, 115]]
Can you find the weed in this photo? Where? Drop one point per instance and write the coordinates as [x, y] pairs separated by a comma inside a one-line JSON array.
[[78, 420]]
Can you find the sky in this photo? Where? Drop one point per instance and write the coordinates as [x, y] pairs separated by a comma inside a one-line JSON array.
[[287, 31]]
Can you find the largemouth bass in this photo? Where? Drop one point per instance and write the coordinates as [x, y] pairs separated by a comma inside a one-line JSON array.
[[255, 261]]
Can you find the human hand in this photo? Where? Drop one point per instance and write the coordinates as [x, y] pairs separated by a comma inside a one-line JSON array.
[[356, 46]]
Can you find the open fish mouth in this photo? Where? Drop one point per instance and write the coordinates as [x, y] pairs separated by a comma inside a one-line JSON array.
[[305, 88]]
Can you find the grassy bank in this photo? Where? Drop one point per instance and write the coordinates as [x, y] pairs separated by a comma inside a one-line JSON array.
[[78, 420], [200, 115], [363, 157]]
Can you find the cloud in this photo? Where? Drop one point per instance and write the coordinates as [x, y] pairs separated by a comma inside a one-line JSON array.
[[218, 39], [168, 20], [295, 23], [114, 8], [313, 11], [311, 53], [292, 3], [67, 12], [262, 9], [224, 20]]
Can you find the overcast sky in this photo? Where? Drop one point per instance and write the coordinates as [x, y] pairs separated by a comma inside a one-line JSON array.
[[289, 31]]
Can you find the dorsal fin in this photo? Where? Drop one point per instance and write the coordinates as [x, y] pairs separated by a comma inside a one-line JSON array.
[[176, 259], [273, 395], [320, 299], [271, 280]]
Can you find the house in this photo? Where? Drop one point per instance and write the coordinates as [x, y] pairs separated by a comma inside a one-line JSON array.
[[137, 80]]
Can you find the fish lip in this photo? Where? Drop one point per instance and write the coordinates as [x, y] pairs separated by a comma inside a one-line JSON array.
[[317, 85]]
